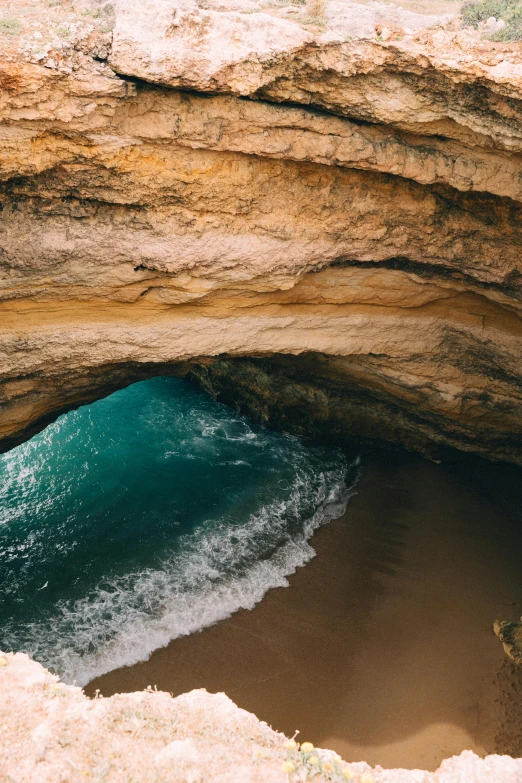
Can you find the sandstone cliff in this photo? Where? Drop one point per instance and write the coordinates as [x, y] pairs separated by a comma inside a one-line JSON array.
[[316, 213], [188, 181]]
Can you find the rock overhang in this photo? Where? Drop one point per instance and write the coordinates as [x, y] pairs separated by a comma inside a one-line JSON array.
[[217, 184]]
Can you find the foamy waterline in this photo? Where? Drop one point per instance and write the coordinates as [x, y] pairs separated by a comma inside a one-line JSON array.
[[125, 619], [149, 515]]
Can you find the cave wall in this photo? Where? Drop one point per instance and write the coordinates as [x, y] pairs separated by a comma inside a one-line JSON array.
[[352, 402], [198, 186]]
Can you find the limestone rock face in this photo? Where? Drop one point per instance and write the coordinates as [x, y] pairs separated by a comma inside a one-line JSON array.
[[510, 634], [315, 213], [240, 48], [51, 732], [338, 196]]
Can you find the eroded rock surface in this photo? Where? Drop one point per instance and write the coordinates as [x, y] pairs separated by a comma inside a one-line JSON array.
[[510, 634], [317, 213], [185, 182], [53, 732]]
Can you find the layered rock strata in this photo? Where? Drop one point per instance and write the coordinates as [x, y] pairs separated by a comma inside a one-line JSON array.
[[202, 183], [316, 216]]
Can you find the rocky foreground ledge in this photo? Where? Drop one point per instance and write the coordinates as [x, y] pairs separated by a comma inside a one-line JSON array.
[[51, 733]]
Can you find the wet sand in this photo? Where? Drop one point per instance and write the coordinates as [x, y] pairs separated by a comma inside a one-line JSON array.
[[382, 647]]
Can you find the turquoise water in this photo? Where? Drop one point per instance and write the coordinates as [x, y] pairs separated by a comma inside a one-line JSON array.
[[149, 515]]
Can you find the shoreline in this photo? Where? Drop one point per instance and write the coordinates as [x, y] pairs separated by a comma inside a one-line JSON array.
[[382, 647]]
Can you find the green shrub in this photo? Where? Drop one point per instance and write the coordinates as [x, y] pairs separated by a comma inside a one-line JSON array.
[[508, 10], [10, 25]]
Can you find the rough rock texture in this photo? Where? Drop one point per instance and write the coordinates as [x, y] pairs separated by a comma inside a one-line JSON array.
[[51, 732], [341, 402], [510, 634], [334, 192], [181, 181]]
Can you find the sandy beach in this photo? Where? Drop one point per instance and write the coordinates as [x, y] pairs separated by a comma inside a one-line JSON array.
[[382, 646]]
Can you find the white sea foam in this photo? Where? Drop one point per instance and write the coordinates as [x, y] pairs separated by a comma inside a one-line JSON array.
[[223, 565], [216, 571]]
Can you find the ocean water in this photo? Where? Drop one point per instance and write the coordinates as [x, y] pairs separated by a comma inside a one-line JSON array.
[[149, 515]]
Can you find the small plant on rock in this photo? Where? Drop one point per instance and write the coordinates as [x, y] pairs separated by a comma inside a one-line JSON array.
[[304, 762], [316, 8], [10, 25], [475, 14]]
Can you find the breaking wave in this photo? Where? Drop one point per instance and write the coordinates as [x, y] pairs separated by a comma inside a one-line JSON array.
[[148, 516]]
